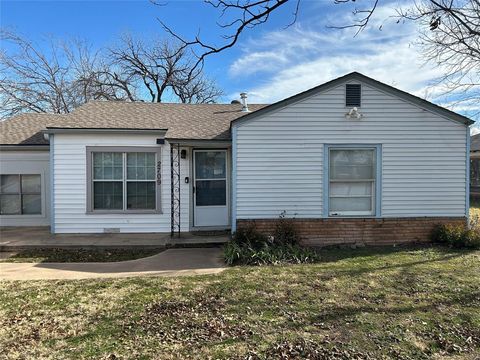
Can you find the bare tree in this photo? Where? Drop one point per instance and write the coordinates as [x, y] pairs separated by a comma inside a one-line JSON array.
[[58, 82], [245, 14], [161, 69], [450, 39], [67, 75]]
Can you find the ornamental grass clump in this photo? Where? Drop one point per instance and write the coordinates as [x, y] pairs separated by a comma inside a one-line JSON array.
[[251, 247]]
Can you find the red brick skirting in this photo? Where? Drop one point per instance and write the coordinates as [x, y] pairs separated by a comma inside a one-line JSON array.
[[385, 231]]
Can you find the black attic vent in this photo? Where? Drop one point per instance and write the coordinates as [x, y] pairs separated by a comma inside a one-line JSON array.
[[353, 95]]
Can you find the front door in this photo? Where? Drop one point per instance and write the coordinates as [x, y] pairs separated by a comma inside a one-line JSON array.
[[210, 192]]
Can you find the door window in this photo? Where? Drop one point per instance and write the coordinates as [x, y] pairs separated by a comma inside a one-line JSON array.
[[210, 178]]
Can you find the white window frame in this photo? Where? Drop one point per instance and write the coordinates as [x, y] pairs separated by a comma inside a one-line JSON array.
[[124, 150], [375, 183]]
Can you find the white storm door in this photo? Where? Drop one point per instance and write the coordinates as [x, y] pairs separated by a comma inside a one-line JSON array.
[[210, 196]]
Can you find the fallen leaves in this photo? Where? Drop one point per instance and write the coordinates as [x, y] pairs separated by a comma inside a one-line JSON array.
[[193, 321]]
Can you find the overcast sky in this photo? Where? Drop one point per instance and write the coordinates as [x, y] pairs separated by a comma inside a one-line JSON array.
[[270, 62]]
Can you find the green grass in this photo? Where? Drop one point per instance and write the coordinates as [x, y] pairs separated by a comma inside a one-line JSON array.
[[389, 303], [79, 255]]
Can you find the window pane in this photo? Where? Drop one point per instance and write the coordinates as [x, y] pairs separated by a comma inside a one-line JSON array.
[[10, 184], [210, 164], [31, 184], [107, 166], [107, 159], [141, 166], [9, 204], [150, 159], [141, 195], [108, 195], [118, 159], [97, 159], [31, 204], [351, 204], [98, 173], [118, 172], [211, 192], [132, 159], [352, 164], [350, 188]]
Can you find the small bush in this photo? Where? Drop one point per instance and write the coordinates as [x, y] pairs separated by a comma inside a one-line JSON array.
[[285, 232], [457, 236], [250, 247], [250, 235]]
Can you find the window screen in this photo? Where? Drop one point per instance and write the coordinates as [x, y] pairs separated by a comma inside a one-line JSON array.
[[353, 95]]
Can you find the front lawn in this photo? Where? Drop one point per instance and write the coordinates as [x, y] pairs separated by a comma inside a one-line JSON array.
[[401, 303]]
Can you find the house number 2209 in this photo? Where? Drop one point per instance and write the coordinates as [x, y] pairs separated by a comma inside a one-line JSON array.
[[159, 172]]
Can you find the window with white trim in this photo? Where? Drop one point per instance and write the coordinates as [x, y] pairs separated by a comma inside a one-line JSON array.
[[20, 194], [352, 181], [124, 181]]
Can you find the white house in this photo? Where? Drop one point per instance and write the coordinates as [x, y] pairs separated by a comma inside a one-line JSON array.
[[352, 160]]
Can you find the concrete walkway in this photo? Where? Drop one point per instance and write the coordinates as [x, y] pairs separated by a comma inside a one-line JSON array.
[[172, 262], [22, 238]]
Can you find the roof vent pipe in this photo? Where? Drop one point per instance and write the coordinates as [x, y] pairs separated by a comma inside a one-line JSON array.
[[243, 96]]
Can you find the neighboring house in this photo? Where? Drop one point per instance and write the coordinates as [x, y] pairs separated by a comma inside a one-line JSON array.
[[475, 165], [385, 172]]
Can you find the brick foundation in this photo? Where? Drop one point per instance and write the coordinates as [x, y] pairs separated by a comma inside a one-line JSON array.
[[385, 231]]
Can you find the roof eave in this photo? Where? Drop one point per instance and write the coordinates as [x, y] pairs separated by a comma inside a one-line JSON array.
[[24, 147], [200, 142], [60, 130]]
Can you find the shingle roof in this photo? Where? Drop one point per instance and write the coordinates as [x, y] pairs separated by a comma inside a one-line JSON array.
[[183, 121], [25, 129]]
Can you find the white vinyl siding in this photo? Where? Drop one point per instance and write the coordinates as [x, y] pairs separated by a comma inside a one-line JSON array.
[[280, 156], [70, 196]]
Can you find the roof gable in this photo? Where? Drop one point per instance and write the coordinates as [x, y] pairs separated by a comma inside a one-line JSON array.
[[415, 100]]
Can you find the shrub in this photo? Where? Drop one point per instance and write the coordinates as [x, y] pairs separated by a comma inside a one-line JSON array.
[[250, 247], [250, 235], [457, 236], [285, 231]]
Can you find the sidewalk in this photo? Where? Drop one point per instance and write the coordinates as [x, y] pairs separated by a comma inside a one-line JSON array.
[[172, 262]]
